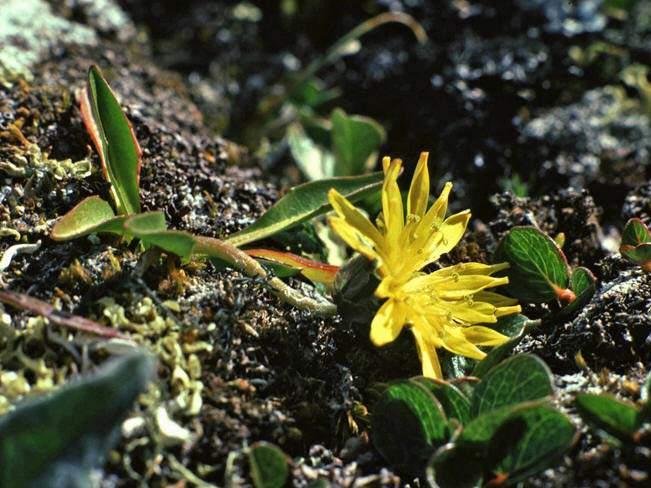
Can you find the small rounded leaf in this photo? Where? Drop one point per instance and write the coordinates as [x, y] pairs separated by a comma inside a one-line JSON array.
[[408, 424], [269, 466], [538, 268], [90, 215]]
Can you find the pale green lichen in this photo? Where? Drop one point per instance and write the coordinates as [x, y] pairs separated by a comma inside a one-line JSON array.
[[28, 32], [25, 162]]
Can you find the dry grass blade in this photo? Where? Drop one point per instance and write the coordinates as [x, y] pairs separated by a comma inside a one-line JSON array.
[[58, 317]]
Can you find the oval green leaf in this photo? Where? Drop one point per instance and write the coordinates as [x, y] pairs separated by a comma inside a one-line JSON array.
[[635, 232], [269, 466], [607, 413], [89, 216], [584, 285], [455, 403], [539, 270], [304, 202], [114, 140], [356, 141], [544, 435], [57, 440], [514, 326], [518, 379], [640, 254], [408, 424]]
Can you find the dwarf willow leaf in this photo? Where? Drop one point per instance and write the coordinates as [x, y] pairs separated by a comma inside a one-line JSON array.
[[56, 440], [539, 270], [518, 379], [609, 414], [455, 403], [583, 284], [408, 424], [304, 202], [545, 435], [87, 217], [269, 468], [356, 140], [514, 326], [114, 140], [635, 232]]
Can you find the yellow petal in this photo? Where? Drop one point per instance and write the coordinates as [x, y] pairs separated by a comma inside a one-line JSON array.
[[354, 217], [355, 239], [387, 323], [502, 311], [392, 210], [472, 269], [427, 354], [419, 189], [483, 336], [433, 219], [386, 163], [471, 313], [452, 231], [463, 286], [455, 341], [495, 299]]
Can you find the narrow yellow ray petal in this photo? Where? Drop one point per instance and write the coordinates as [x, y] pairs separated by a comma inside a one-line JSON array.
[[427, 354], [483, 336], [392, 210], [455, 341], [387, 323], [419, 189], [354, 217], [502, 311], [354, 238], [472, 269], [495, 299]]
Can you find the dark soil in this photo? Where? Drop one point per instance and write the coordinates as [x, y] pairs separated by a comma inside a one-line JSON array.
[[503, 92]]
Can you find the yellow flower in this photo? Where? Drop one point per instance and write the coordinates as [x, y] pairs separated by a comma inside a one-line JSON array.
[[401, 246], [441, 309]]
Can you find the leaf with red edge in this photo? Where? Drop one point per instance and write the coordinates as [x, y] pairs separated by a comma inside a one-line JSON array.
[[635, 232], [115, 141], [312, 270]]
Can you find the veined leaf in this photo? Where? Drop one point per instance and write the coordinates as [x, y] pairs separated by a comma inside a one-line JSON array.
[[519, 379], [408, 424], [314, 160], [356, 140], [455, 403], [539, 270], [312, 270], [57, 440], [87, 217], [583, 284], [114, 140], [609, 414], [304, 202], [635, 233]]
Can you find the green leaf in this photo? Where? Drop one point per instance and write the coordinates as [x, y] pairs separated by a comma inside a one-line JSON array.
[[518, 379], [314, 160], [640, 254], [56, 440], [635, 233], [584, 285], [149, 227], [408, 424], [356, 140], [609, 414], [645, 395], [539, 270], [455, 403], [304, 202], [515, 441], [115, 141], [514, 326], [269, 467], [89, 216], [546, 434]]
